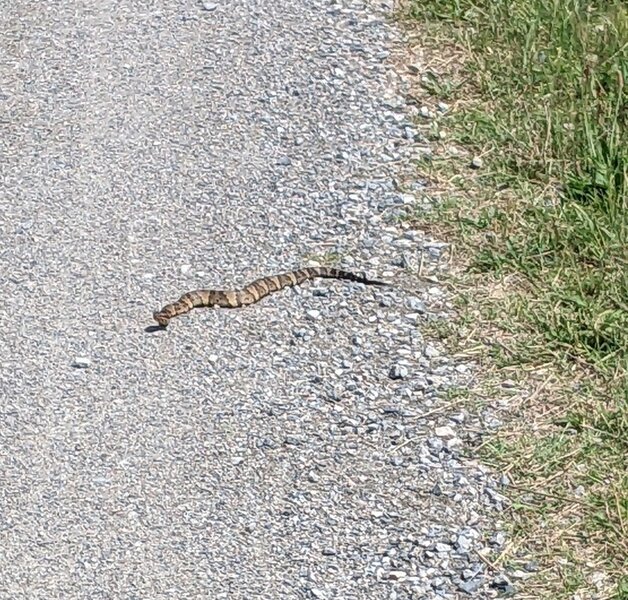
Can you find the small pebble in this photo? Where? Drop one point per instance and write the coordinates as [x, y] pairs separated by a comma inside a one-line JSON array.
[[470, 586], [400, 261], [398, 372], [321, 292], [430, 351], [519, 574], [477, 163], [498, 539], [501, 583], [531, 566], [464, 543], [436, 292], [416, 305], [445, 432], [82, 362]]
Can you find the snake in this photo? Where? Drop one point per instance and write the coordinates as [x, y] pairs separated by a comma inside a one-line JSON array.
[[253, 292]]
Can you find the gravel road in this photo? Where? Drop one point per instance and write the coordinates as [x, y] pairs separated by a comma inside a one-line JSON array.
[[299, 448]]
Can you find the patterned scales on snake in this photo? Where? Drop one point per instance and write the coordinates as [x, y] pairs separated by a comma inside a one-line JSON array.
[[253, 292]]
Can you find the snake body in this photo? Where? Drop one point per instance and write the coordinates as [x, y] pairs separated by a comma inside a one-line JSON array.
[[253, 292]]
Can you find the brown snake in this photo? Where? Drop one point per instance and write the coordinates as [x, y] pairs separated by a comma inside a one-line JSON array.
[[253, 292]]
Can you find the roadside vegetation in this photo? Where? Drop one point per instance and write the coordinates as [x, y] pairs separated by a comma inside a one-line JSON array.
[[531, 173]]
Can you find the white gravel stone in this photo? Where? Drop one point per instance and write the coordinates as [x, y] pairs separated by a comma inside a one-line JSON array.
[[445, 432], [431, 351], [477, 163], [398, 372], [82, 362]]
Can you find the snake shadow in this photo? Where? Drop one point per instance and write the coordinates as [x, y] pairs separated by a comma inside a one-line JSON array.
[[153, 328]]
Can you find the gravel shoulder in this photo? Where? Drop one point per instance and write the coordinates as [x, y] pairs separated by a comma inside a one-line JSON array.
[[278, 451]]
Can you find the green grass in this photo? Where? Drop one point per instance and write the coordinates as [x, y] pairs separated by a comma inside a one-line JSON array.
[[552, 115], [539, 93]]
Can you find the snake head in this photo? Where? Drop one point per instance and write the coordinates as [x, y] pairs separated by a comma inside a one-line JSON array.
[[161, 318]]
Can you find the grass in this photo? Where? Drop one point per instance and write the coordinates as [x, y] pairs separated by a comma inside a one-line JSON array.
[[551, 113], [537, 89]]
